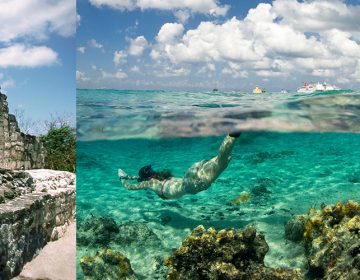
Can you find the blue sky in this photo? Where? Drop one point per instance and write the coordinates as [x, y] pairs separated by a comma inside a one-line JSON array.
[[38, 57], [183, 44]]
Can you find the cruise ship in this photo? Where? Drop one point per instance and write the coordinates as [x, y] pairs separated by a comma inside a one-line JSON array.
[[316, 87], [258, 89]]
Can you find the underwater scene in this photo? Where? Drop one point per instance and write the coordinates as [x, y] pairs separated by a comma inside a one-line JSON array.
[[280, 208]]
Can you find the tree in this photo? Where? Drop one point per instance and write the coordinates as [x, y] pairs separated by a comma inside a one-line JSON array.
[[60, 145]]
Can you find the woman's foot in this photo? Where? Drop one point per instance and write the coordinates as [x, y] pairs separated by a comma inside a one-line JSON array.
[[235, 134]]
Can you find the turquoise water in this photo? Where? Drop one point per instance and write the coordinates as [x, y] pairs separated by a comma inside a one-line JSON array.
[[301, 170]]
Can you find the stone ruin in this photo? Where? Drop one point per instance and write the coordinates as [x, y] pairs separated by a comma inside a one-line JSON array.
[[17, 150], [36, 205]]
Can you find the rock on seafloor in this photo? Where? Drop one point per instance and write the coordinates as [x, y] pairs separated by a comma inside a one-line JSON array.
[[107, 264], [331, 237], [101, 231], [225, 254]]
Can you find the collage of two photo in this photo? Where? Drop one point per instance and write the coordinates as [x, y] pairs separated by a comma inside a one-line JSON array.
[[179, 140]]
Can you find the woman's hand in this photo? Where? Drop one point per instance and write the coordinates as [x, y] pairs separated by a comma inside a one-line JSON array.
[[124, 176]]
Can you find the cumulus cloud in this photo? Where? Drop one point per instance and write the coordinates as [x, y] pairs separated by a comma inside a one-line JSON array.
[[81, 50], [211, 7], [94, 44], [137, 46], [135, 69], [319, 15], [81, 76], [271, 41], [182, 15], [24, 56], [78, 19], [119, 57], [117, 75], [36, 19]]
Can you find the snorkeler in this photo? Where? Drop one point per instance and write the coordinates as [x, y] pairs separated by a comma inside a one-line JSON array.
[[197, 178]]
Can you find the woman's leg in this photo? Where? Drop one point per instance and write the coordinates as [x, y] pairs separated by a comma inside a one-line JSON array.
[[214, 167], [202, 174]]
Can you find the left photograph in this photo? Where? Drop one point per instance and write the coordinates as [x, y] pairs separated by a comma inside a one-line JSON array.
[[37, 139]]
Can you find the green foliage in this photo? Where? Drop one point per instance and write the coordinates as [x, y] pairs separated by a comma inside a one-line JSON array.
[[60, 145]]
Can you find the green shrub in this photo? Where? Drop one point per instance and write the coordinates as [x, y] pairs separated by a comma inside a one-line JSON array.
[[60, 145]]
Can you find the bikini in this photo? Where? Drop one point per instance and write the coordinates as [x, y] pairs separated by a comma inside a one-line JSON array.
[[161, 195]]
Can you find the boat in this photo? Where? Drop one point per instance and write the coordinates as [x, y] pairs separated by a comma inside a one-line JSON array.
[[258, 89], [317, 87], [215, 90], [284, 91]]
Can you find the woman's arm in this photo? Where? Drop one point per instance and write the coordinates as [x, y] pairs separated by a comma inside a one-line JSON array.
[[134, 186], [124, 177]]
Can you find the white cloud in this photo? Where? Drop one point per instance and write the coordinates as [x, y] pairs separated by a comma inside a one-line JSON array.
[[319, 15], [78, 19], [169, 32], [182, 15], [6, 83], [94, 44], [135, 69], [166, 71], [81, 76], [23, 56], [137, 46], [235, 70], [211, 7], [81, 50], [36, 18], [267, 42], [117, 75], [119, 57]]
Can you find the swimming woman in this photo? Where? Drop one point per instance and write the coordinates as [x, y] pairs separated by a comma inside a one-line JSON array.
[[197, 178]]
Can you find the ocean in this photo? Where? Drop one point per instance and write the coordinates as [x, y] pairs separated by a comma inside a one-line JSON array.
[[302, 149]]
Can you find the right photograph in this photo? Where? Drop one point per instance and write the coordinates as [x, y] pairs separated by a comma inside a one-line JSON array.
[[218, 140]]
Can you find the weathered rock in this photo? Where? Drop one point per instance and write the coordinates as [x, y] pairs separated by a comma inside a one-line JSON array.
[[100, 231], [107, 264], [13, 184], [224, 254], [17, 150], [262, 186], [136, 233], [294, 228], [95, 231], [30, 219]]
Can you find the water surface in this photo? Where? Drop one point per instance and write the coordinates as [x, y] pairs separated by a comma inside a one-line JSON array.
[[117, 114]]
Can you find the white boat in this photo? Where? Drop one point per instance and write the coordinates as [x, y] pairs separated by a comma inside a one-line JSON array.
[[316, 87], [258, 89]]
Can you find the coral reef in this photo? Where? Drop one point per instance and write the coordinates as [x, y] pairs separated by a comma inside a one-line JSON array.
[[332, 240], [107, 264], [225, 254]]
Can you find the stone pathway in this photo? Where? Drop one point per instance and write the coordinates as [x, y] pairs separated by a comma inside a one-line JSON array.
[[56, 260]]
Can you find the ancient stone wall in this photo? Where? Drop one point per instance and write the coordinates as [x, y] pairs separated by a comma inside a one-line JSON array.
[[37, 211], [17, 150]]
